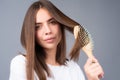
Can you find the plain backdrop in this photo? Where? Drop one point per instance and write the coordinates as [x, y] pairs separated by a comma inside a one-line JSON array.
[[100, 17]]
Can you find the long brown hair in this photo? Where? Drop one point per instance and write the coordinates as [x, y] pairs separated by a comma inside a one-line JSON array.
[[35, 53]]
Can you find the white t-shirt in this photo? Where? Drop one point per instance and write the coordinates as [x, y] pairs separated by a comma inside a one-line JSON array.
[[71, 71]]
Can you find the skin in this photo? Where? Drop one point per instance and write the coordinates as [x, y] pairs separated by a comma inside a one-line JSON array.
[[48, 35], [93, 69]]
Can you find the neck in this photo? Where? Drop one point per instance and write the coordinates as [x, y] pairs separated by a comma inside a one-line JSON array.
[[51, 56]]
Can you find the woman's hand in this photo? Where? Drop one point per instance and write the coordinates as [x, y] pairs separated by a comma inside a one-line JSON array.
[[93, 69]]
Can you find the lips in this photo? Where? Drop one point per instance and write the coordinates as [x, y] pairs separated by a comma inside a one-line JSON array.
[[50, 39]]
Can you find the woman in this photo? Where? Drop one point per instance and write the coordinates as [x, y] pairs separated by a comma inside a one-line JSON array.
[[43, 37]]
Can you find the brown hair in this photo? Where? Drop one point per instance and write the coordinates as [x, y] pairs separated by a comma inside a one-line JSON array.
[[35, 53]]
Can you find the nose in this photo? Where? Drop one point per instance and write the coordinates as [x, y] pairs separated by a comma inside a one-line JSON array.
[[47, 29]]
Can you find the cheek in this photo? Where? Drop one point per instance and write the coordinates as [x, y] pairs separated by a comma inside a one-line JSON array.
[[57, 29]]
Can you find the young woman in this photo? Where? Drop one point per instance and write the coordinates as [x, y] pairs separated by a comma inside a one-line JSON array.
[[43, 37]]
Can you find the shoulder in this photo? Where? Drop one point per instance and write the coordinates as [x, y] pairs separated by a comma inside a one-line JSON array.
[[73, 66], [19, 59], [18, 68], [72, 63], [75, 70], [18, 62]]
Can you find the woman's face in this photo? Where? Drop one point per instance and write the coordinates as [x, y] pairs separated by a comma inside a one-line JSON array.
[[48, 33]]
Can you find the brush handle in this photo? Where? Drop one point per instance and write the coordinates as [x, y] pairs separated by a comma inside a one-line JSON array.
[[89, 53]]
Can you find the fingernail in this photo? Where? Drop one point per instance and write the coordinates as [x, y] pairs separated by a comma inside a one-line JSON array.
[[101, 76]]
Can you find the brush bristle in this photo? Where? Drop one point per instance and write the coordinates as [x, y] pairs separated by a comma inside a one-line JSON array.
[[89, 46], [84, 37]]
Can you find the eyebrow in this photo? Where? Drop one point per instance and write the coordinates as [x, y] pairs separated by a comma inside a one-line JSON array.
[[47, 21]]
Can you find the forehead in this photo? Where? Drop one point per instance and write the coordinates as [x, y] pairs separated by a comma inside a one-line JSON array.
[[42, 15]]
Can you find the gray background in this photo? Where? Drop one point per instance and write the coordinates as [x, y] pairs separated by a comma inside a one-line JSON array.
[[100, 17]]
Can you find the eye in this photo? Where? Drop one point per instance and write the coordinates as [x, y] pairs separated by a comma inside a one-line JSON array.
[[38, 26], [53, 22]]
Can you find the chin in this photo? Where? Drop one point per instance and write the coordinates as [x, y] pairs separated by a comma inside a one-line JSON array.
[[50, 46]]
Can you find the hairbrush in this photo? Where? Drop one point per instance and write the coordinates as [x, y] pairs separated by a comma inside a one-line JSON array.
[[85, 37], [86, 42]]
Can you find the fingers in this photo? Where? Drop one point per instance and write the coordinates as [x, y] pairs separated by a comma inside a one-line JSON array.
[[93, 69]]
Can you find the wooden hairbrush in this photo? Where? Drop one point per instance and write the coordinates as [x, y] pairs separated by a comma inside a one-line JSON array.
[[87, 42]]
